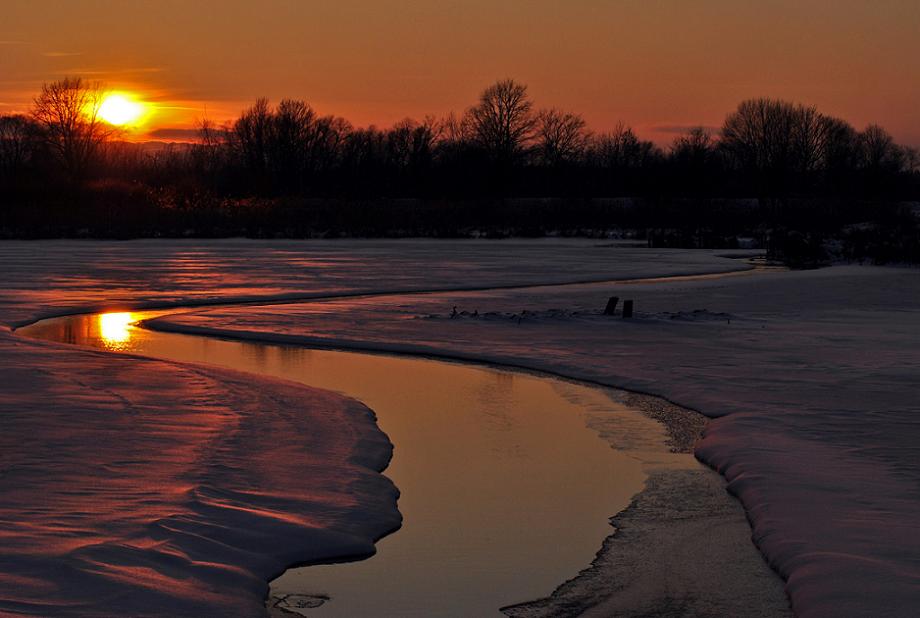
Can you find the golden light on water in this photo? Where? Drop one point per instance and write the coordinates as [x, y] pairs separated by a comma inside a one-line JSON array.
[[121, 109], [115, 328]]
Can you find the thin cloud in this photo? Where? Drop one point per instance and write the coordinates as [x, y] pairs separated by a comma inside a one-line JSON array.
[[129, 71], [175, 134], [60, 54], [683, 128], [183, 108]]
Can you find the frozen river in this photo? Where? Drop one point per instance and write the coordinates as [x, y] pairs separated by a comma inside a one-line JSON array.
[[506, 488]]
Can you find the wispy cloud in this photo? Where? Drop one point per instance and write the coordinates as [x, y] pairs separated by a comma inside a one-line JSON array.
[[682, 128], [60, 54], [174, 134], [11, 42], [13, 107], [85, 71], [180, 107]]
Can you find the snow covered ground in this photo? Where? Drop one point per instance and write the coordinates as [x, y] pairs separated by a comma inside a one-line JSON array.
[[41, 278], [812, 376], [139, 487], [133, 487]]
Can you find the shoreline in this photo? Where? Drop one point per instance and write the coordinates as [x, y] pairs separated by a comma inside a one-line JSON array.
[[807, 373], [683, 427], [192, 304], [656, 518], [682, 547], [656, 512], [196, 533]]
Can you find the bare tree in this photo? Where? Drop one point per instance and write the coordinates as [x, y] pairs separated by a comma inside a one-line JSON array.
[[781, 141], [810, 134], [292, 131], [68, 111], [758, 135], [560, 137], [251, 133], [425, 137], [209, 155], [411, 144], [695, 145], [210, 135], [879, 151], [18, 137], [694, 154], [454, 129], [363, 149], [502, 122], [622, 149], [695, 162], [326, 142], [912, 159], [841, 144]]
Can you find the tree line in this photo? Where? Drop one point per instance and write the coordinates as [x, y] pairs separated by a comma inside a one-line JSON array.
[[783, 173], [502, 146]]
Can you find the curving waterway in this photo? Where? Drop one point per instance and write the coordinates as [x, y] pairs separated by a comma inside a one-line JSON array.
[[506, 484]]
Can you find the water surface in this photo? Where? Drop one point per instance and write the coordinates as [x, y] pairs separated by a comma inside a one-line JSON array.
[[506, 491]]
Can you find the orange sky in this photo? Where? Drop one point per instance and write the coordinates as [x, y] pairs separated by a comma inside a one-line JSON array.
[[657, 65]]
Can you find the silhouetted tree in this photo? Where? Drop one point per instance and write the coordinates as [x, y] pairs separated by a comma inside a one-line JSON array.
[[454, 129], [841, 157], [560, 137], [502, 123], [289, 142], [786, 146], [810, 132], [500, 148], [410, 151], [879, 151], [623, 162], [621, 149], [209, 157], [19, 137], [759, 136], [252, 132], [68, 112], [882, 158], [364, 161], [325, 143], [695, 162], [694, 147], [912, 159]]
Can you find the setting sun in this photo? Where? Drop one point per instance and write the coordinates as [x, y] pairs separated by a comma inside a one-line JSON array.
[[119, 110]]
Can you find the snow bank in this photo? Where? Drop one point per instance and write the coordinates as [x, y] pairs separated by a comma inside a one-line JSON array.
[[142, 488], [811, 375]]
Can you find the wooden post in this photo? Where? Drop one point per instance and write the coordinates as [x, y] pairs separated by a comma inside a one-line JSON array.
[[611, 308], [627, 308]]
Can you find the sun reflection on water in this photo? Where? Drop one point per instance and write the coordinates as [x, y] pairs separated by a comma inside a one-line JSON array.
[[115, 329]]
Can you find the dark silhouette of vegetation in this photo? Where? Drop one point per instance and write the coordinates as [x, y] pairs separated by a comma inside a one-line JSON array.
[[18, 139], [777, 174], [502, 124], [68, 114]]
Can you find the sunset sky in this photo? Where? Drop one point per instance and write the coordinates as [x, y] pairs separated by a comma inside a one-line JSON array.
[[659, 66]]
